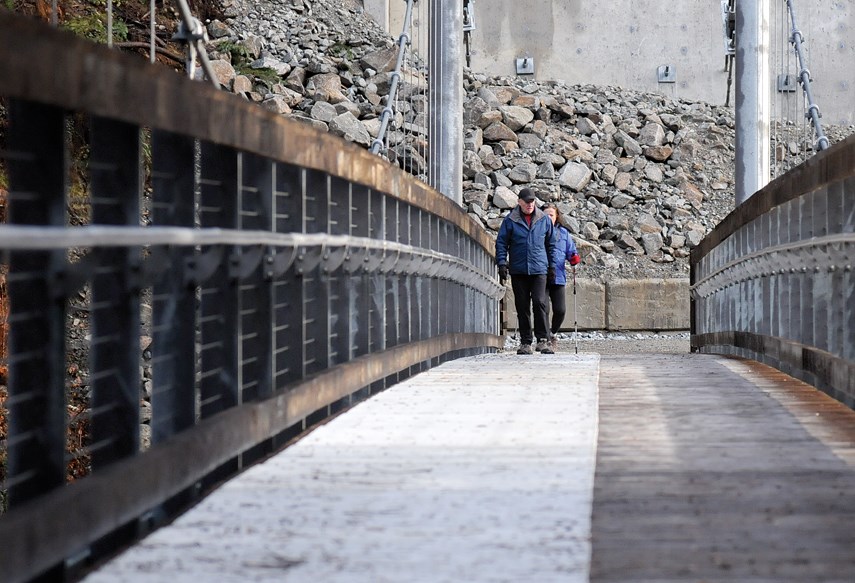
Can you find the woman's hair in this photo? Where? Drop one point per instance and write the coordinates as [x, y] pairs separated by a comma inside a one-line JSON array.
[[552, 205]]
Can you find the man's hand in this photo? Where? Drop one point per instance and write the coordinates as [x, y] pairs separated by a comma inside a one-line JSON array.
[[503, 273], [575, 259], [550, 275]]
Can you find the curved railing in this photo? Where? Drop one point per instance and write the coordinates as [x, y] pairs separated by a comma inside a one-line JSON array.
[[774, 280], [288, 275]]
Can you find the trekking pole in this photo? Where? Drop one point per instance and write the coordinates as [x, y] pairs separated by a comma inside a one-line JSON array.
[[516, 317], [575, 319]]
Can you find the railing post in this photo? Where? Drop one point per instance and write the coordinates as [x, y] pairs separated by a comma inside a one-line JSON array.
[[116, 184], [37, 178], [218, 305], [255, 199], [287, 287], [173, 399]]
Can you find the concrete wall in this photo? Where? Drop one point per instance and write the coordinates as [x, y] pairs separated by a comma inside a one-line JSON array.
[[623, 42], [623, 304]]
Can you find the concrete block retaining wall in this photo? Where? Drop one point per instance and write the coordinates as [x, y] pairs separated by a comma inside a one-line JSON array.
[[621, 304]]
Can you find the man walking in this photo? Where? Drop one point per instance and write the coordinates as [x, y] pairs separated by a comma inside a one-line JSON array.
[[524, 247]]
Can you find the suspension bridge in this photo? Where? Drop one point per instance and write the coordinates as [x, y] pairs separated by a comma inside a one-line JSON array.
[[329, 394]]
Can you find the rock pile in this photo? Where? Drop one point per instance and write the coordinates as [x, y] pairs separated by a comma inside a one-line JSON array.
[[639, 178]]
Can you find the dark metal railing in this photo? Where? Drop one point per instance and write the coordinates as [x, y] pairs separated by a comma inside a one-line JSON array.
[[281, 273], [774, 280]]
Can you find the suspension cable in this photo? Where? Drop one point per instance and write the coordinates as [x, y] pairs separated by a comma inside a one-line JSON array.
[[423, 114], [193, 32], [388, 111], [775, 124], [797, 39]]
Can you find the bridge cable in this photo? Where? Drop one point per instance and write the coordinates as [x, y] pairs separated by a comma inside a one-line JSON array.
[[193, 33], [388, 111], [419, 111], [797, 40]]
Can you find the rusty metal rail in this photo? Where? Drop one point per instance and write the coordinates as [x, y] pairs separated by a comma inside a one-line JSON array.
[[774, 281], [288, 274]]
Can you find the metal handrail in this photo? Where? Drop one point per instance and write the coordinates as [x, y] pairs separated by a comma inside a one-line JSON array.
[[772, 281], [289, 274]]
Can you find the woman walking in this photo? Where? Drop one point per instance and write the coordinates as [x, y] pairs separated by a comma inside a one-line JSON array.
[[563, 249]]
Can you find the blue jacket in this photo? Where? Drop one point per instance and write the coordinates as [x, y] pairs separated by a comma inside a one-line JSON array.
[[564, 249], [529, 247]]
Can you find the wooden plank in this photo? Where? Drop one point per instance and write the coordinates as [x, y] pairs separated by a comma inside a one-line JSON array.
[[718, 469]]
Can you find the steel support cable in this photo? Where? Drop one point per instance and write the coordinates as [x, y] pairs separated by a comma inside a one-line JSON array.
[[194, 34], [424, 60], [797, 40], [433, 51], [410, 144], [388, 111], [777, 53]]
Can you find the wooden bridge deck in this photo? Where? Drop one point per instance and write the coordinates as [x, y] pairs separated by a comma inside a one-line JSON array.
[[716, 469], [498, 468]]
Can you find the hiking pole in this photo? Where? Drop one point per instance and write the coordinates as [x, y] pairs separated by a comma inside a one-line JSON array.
[[575, 319], [516, 317]]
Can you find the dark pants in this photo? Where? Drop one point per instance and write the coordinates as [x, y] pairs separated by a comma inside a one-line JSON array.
[[559, 305], [530, 292]]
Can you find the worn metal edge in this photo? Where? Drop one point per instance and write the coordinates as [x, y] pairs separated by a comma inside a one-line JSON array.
[[60, 524], [827, 372]]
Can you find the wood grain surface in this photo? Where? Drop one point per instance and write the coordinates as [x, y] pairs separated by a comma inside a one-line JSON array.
[[719, 469]]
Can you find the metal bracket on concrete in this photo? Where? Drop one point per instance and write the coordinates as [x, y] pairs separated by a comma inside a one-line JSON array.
[[787, 83], [525, 66], [667, 74]]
